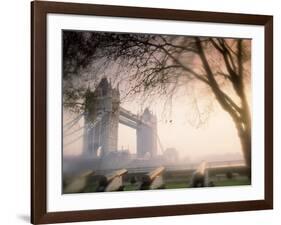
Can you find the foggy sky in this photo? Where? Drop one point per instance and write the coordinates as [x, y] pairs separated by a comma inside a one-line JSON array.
[[192, 122], [178, 126]]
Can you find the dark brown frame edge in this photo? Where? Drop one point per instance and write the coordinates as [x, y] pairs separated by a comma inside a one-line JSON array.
[[39, 11]]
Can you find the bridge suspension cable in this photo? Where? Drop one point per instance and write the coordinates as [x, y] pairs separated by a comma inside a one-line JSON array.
[[160, 144], [66, 134], [71, 142], [71, 123], [91, 126], [159, 141]]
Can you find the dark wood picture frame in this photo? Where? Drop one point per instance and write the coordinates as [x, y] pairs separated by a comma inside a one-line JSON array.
[[39, 11]]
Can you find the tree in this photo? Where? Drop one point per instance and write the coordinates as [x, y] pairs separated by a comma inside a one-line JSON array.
[[162, 62]]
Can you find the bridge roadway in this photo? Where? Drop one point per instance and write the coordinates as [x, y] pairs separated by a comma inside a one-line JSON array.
[[129, 119]]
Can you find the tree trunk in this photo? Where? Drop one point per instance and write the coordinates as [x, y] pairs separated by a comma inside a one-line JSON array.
[[240, 116], [246, 144]]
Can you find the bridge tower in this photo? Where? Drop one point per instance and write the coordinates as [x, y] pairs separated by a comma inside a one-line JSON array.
[[101, 119], [147, 134]]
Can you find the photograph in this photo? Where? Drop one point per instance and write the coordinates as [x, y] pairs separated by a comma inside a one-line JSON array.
[[154, 111]]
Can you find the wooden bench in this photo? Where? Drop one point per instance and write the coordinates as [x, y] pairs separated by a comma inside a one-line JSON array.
[[153, 179], [200, 177], [112, 181]]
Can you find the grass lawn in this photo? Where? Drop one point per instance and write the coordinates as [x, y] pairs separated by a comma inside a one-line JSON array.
[[232, 182], [176, 180], [174, 185], [131, 187]]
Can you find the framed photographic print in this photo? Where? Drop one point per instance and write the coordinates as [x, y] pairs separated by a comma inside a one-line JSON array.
[[144, 112]]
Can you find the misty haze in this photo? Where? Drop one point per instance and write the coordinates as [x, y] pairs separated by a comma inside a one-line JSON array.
[[148, 111]]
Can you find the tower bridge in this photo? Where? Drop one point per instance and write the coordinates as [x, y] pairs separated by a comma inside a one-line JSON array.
[[102, 116]]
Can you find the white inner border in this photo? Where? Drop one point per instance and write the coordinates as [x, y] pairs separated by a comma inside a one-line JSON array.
[[58, 202]]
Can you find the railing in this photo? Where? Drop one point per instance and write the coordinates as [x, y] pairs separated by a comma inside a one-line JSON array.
[[192, 166]]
